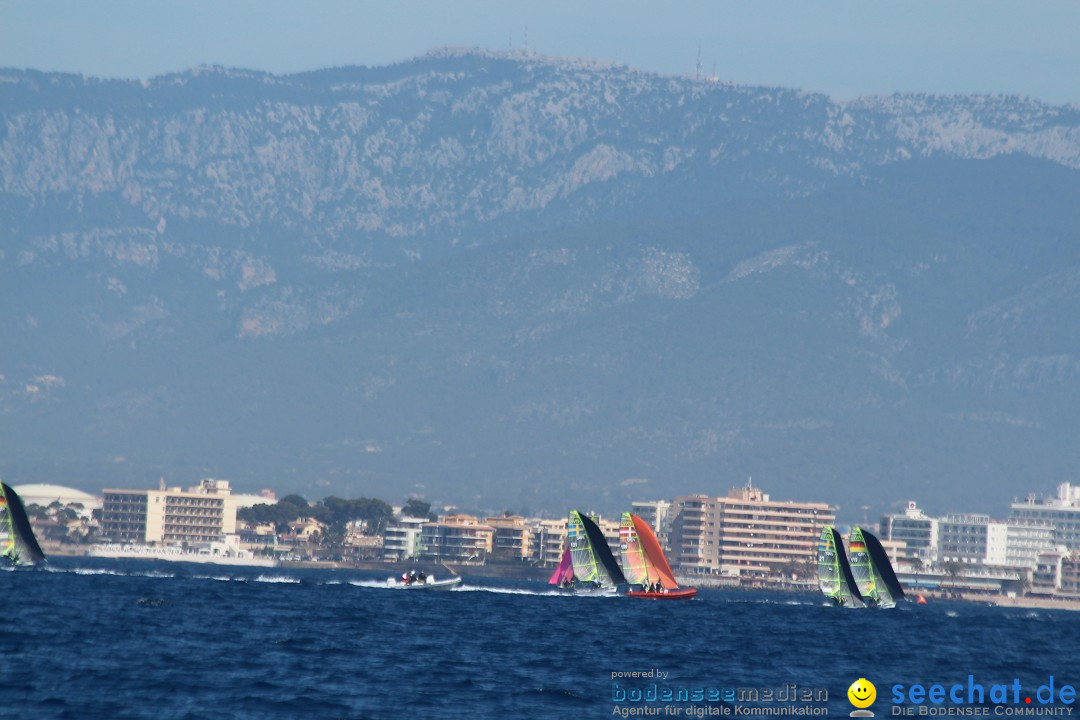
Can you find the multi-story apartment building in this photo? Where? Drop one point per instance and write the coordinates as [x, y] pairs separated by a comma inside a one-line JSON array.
[[403, 539], [512, 539], [457, 538], [746, 533], [1062, 513], [918, 532], [1070, 576], [170, 516], [969, 538], [972, 539], [691, 548], [1046, 576], [548, 541], [1024, 541]]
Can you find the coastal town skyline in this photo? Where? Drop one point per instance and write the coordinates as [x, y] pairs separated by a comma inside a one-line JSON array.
[[1064, 496], [846, 514], [744, 538]]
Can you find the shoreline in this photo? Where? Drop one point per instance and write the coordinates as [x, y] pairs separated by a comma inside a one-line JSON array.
[[1029, 602], [528, 572]]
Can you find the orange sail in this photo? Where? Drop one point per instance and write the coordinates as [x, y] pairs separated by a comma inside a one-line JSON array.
[[654, 555]]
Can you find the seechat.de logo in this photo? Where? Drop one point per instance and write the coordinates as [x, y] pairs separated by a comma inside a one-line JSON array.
[[862, 695]]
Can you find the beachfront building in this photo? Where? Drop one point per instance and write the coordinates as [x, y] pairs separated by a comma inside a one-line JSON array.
[[548, 541], [257, 539], [690, 516], [361, 546], [1070, 576], [745, 534], [169, 516], [917, 530], [403, 540], [1062, 513], [1046, 576], [1024, 541], [512, 539], [972, 540], [968, 539], [458, 539]]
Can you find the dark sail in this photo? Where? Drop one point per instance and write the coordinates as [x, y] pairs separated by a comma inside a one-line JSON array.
[[582, 558], [845, 567], [603, 552], [882, 566], [25, 548]]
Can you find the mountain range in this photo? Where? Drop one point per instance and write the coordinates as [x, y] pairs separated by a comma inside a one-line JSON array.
[[506, 281]]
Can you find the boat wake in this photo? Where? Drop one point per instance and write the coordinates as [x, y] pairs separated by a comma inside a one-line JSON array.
[[91, 571], [505, 591], [371, 584], [538, 593], [278, 579]]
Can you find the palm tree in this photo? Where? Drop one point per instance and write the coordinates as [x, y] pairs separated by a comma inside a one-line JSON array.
[[789, 571], [954, 570], [918, 566]]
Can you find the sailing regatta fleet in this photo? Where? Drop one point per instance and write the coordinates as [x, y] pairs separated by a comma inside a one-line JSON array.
[[861, 577], [588, 564]]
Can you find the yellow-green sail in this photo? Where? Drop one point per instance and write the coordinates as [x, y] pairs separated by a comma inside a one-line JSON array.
[[834, 573], [17, 542]]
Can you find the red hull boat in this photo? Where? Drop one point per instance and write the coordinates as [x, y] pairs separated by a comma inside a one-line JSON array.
[[676, 594], [645, 565]]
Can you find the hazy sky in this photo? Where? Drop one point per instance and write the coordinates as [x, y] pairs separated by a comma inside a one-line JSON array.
[[843, 48]]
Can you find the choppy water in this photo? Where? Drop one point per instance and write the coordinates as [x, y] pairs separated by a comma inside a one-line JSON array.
[[131, 639]]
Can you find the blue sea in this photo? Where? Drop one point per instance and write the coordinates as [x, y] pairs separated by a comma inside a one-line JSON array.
[[94, 638]]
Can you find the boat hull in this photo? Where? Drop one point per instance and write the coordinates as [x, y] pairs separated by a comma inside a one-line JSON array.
[[427, 585], [676, 594]]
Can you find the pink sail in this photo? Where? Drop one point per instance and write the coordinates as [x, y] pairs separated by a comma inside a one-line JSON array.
[[565, 571]]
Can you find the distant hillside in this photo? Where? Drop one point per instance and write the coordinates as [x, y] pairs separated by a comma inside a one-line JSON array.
[[527, 283]]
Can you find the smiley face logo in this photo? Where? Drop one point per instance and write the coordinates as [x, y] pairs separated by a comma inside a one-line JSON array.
[[862, 693]]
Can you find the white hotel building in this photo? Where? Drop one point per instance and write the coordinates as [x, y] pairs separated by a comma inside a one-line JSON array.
[[1061, 512], [170, 516]]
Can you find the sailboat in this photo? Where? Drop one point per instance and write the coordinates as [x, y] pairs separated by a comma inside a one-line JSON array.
[[563, 577], [594, 567], [872, 570], [834, 572], [644, 563], [18, 546]]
